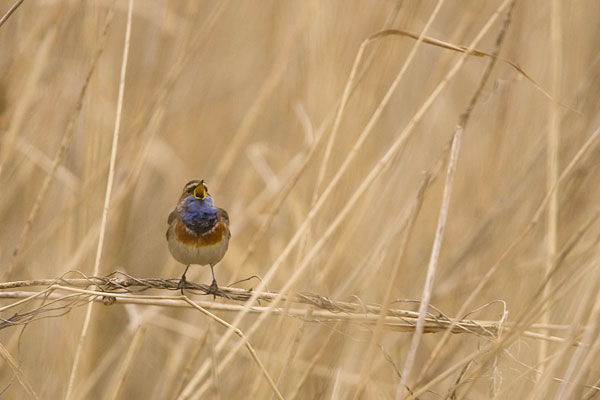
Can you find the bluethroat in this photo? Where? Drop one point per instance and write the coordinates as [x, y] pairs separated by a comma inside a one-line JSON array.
[[198, 231]]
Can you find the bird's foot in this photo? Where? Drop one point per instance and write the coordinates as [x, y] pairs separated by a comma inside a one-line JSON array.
[[213, 289], [182, 283]]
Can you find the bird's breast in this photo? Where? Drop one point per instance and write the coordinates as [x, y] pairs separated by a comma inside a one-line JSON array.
[[186, 236]]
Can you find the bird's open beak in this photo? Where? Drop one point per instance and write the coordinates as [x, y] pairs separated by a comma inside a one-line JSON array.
[[200, 192]]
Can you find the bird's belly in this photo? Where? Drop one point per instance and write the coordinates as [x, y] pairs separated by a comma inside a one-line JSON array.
[[200, 252], [204, 255]]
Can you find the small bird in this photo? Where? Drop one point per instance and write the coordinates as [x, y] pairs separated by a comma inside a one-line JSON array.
[[198, 231]]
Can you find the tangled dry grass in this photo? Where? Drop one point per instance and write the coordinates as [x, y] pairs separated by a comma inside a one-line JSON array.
[[411, 185]]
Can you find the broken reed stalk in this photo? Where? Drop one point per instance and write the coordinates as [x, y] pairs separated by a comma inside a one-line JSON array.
[[123, 289]]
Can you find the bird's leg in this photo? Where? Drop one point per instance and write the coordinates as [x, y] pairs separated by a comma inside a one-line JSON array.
[[182, 281], [213, 286]]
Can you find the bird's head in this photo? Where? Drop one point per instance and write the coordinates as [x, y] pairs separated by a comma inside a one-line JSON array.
[[195, 194]]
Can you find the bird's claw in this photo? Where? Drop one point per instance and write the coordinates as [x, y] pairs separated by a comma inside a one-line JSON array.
[[182, 284]]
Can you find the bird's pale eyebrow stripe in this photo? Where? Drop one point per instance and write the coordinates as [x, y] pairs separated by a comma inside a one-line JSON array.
[[191, 185]]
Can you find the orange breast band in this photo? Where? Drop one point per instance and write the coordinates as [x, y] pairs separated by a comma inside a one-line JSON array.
[[185, 236]]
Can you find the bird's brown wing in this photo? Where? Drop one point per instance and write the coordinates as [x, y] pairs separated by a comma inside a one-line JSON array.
[[223, 216], [172, 216], [170, 220]]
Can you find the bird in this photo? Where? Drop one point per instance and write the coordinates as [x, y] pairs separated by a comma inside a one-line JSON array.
[[198, 231]]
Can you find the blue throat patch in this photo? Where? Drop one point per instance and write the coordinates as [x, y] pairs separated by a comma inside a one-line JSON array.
[[200, 216]]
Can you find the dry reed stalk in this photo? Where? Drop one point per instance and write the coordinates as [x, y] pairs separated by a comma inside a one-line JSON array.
[[375, 172], [63, 150], [546, 376], [517, 329], [403, 223], [251, 116], [397, 320], [179, 132], [511, 334], [469, 326], [445, 204], [10, 11], [586, 301], [341, 107], [191, 362], [157, 110], [107, 197], [433, 262], [244, 341], [477, 53], [314, 360], [58, 221], [528, 368], [132, 352], [592, 391], [18, 373], [294, 348], [591, 347], [400, 259], [23, 107], [284, 192], [190, 303], [552, 157], [528, 228], [348, 91], [452, 163], [104, 364]]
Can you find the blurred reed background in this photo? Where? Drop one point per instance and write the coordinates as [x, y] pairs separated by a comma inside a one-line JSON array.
[[247, 95]]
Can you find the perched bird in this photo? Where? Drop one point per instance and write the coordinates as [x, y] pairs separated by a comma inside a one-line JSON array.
[[198, 231]]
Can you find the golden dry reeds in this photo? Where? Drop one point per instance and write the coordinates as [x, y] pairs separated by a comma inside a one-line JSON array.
[[411, 187]]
